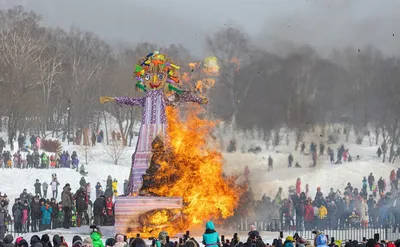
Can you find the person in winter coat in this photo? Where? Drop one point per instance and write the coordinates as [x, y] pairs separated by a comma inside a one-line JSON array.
[[45, 160], [321, 241], [45, 187], [97, 187], [36, 214], [54, 187], [18, 218], [120, 241], [290, 160], [8, 241], [66, 198], [381, 185], [25, 217], [110, 242], [93, 139], [364, 184], [211, 237], [363, 213], [46, 241], [76, 239], [379, 152], [308, 215], [56, 241], [298, 186], [88, 242], [88, 189], [115, 187], [82, 182], [38, 188], [75, 163], [81, 204], [96, 239], [46, 216], [371, 180], [109, 182], [99, 207], [322, 216], [288, 242]]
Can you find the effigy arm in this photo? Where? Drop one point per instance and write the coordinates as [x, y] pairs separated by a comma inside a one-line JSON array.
[[188, 96], [130, 101]]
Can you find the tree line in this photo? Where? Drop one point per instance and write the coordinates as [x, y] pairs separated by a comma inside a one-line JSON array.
[[47, 72]]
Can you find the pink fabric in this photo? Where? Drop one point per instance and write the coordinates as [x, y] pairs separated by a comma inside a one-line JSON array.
[[24, 216], [38, 142]]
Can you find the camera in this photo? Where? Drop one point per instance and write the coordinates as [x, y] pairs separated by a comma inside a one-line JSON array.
[[93, 227]]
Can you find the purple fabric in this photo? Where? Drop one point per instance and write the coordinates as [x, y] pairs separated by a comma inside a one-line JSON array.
[[130, 101], [187, 96]]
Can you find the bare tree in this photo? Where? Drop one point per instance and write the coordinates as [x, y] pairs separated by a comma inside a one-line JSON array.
[[115, 149], [87, 151]]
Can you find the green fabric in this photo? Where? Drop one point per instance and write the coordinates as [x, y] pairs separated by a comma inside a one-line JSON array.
[[139, 85], [172, 88], [96, 239]]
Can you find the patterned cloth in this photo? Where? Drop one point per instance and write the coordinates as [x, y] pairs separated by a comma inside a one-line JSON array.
[[154, 123]]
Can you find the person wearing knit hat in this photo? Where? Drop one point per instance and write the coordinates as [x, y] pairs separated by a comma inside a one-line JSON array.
[[76, 238], [120, 240], [88, 242], [110, 242], [34, 239], [23, 243], [288, 242]]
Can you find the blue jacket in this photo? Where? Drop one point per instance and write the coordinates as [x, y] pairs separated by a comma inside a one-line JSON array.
[[321, 241], [210, 237], [46, 215]]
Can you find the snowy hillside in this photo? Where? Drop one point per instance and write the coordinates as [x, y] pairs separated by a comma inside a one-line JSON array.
[[325, 175]]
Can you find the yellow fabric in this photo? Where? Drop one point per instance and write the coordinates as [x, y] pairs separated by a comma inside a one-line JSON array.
[[322, 212], [106, 99], [114, 187], [289, 238]]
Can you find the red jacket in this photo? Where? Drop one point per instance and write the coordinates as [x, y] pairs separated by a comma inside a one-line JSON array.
[[308, 212]]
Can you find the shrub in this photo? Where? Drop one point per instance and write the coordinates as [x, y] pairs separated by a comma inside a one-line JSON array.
[[53, 146]]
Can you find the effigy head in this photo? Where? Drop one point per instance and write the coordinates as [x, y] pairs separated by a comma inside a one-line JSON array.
[[156, 71]]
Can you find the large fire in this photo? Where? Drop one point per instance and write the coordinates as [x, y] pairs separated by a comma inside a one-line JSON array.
[[191, 168]]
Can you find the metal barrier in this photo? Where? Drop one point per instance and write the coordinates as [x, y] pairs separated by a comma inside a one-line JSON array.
[[347, 232]]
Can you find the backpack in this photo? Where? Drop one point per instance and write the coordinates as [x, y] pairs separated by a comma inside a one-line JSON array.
[[109, 206]]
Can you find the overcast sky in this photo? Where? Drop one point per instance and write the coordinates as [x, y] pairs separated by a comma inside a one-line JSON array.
[[323, 24]]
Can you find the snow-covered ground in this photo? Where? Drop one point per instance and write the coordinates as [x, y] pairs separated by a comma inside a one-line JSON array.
[[325, 175]]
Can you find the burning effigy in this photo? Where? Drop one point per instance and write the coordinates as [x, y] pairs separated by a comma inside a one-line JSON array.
[[176, 177]]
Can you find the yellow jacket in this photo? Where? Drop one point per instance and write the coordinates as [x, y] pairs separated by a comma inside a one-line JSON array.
[[322, 212], [115, 187]]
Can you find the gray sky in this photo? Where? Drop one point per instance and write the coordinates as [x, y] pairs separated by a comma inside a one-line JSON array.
[[324, 24]]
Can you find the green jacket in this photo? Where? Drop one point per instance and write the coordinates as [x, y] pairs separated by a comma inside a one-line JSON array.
[[96, 239]]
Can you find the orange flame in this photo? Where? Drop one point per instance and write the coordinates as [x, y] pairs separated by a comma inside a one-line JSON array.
[[186, 77], [196, 170], [192, 66], [204, 84]]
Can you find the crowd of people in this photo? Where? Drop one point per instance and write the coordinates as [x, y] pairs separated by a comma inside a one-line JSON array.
[[37, 212], [373, 205], [25, 160]]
